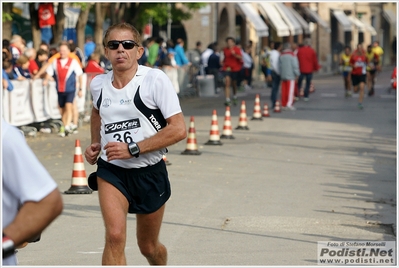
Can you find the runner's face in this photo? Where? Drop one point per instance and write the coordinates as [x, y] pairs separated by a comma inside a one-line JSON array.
[[64, 51], [123, 59]]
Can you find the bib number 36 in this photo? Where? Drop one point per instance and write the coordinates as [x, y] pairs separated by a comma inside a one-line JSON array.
[[125, 137]]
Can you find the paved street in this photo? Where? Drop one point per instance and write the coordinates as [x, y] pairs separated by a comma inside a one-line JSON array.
[[325, 172]]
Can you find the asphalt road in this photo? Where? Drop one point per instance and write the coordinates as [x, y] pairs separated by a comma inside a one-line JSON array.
[[325, 172]]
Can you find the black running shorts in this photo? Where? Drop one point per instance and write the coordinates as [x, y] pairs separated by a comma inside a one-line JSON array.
[[146, 189], [357, 79]]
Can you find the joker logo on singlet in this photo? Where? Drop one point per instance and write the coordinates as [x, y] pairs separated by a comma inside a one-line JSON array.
[[124, 131]]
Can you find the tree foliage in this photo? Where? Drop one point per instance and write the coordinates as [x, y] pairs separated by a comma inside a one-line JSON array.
[[158, 12], [138, 14]]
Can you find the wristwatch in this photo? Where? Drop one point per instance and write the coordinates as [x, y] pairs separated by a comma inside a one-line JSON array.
[[8, 246], [134, 149]]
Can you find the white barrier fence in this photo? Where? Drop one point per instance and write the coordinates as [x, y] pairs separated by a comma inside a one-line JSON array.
[[31, 102]]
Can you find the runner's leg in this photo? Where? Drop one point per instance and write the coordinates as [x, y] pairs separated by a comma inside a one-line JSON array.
[[114, 208], [148, 228]]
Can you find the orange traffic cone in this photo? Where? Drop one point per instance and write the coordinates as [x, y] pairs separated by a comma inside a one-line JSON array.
[[242, 122], [227, 130], [257, 113], [191, 147], [79, 180], [265, 111], [166, 160], [214, 136], [277, 108]]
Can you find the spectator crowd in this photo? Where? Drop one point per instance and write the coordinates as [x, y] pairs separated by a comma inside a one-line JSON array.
[[288, 69]]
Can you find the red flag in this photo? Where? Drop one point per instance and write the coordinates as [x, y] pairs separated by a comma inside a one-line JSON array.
[[46, 15]]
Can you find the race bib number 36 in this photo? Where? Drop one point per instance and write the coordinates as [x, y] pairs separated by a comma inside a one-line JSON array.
[[124, 131]]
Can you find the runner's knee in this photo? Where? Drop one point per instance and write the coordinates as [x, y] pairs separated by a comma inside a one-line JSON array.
[[116, 237], [147, 249]]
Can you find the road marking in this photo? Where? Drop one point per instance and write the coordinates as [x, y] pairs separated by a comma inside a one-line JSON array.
[[89, 252], [329, 95]]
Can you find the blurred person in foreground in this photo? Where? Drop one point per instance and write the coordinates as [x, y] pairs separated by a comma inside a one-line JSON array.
[[136, 114], [30, 198]]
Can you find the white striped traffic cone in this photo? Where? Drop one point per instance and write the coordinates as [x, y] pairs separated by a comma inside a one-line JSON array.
[[257, 115], [265, 111], [192, 147], [227, 130], [79, 181], [214, 136], [242, 121], [277, 108]]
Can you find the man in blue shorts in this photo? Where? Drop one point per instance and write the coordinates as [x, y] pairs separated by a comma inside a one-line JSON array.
[[136, 114]]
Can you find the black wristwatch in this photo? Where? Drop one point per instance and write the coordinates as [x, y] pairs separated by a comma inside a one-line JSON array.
[[134, 149], [8, 246]]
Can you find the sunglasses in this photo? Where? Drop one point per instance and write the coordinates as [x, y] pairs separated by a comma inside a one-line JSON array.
[[127, 44]]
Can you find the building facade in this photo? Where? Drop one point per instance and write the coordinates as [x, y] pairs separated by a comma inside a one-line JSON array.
[[330, 25]]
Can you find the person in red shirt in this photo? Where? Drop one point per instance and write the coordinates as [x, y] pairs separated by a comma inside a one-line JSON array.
[[308, 64], [33, 67], [93, 65], [358, 61], [232, 65]]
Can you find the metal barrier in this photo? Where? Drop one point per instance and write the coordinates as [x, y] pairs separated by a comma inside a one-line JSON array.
[[31, 102]]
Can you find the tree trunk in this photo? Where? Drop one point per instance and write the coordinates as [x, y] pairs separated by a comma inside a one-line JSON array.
[[100, 9], [81, 25], [7, 25], [34, 18], [59, 25]]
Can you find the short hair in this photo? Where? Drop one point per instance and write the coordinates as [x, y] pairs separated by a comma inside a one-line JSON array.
[[348, 47], [6, 64], [230, 38], [198, 43], [72, 46], [15, 38], [95, 56], [22, 60], [41, 52], [6, 43], [369, 47], [277, 45], [287, 45], [122, 26], [64, 43], [30, 52]]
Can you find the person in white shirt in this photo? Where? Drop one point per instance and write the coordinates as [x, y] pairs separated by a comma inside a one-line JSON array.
[[66, 72], [30, 197], [205, 56], [136, 114], [275, 68]]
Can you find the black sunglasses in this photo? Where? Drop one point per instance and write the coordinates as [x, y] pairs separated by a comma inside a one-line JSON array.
[[127, 44]]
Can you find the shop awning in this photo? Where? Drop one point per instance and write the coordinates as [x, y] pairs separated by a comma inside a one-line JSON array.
[[343, 20], [389, 16], [269, 11], [315, 17], [369, 28], [252, 15], [302, 21], [359, 25], [289, 18]]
